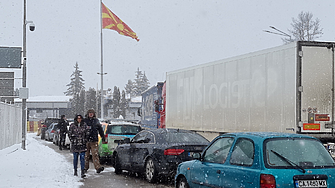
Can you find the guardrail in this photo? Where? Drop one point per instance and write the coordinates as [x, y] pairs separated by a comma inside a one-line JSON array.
[[10, 125]]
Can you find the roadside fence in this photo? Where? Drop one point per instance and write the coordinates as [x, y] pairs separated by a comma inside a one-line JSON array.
[[10, 125]]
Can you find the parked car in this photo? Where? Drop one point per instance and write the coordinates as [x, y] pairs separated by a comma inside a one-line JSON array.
[[49, 133], [45, 125], [56, 138], [259, 160], [114, 133], [157, 152]]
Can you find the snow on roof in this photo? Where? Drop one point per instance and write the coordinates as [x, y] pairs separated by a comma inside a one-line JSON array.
[[136, 99], [47, 99]]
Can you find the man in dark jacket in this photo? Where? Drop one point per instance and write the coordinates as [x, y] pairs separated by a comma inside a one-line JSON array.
[[92, 144], [62, 125]]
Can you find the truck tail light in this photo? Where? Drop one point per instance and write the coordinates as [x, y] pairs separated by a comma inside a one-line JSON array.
[[267, 181], [106, 139], [173, 151]]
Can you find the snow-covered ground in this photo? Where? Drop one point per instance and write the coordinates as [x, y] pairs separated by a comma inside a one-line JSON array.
[[37, 166]]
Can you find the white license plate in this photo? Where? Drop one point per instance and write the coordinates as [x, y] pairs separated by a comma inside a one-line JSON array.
[[311, 183], [190, 154], [331, 147]]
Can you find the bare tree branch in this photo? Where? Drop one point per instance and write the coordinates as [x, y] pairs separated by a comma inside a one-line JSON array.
[[304, 28]]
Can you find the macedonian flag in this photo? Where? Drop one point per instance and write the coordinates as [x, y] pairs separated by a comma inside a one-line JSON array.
[[111, 21]]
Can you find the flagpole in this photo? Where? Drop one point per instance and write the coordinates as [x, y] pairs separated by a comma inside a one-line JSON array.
[[102, 64]]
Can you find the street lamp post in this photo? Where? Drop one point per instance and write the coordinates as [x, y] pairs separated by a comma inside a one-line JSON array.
[[281, 32], [24, 73]]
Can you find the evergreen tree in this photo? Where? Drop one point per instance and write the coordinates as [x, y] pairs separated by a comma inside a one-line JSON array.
[[141, 82], [81, 102], [76, 89], [91, 99], [75, 105], [116, 102], [129, 88], [123, 104], [77, 82], [98, 107], [145, 83], [137, 82]]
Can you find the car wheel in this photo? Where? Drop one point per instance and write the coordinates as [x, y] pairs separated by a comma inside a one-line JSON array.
[[102, 160], [182, 183], [117, 165], [150, 171]]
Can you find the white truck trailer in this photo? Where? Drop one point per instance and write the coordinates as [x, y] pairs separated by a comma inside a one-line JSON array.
[[289, 88]]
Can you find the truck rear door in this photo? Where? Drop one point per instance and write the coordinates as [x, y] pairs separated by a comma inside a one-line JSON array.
[[317, 87]]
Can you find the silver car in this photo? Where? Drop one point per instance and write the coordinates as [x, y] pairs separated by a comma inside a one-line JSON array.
[[49, 133]]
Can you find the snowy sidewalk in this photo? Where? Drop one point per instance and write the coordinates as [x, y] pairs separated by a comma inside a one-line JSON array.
[[37, 166]]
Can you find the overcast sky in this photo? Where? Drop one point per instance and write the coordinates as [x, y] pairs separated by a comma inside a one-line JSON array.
[[173, 34]]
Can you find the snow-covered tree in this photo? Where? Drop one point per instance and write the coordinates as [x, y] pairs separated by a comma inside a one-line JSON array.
[[91, 99], [304, 28], [141, 82], [116, 102], [129, 88], [145, 83], [76, 84], [123, 104]]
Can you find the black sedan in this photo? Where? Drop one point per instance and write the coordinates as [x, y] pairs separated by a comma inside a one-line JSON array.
[[157, 152]]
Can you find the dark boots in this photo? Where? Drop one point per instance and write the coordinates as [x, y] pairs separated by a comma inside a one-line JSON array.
[[83, 174], [100, 169], [75, 172]]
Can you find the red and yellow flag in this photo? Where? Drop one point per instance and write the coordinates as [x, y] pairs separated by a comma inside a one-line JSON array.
[[111, 21]]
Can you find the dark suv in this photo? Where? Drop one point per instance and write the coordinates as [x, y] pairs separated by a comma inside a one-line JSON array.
[[46, 124]]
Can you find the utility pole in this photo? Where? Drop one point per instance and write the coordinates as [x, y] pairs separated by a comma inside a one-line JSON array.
[[24, 74]]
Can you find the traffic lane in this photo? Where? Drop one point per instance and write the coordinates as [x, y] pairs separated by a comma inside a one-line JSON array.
[[108, 178]]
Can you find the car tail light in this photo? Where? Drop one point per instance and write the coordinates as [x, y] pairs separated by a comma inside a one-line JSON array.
[[52, 131], [106, 139], [267, 181], [173, 151]]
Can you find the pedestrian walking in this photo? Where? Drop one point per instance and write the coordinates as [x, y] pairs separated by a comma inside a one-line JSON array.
[[62, 125], [92, 144], [78, 134]]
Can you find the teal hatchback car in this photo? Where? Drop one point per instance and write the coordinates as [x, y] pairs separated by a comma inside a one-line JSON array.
[[259, 160]]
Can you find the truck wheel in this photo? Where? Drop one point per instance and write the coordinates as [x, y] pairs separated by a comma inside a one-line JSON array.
[[150, 171], [117, 165]]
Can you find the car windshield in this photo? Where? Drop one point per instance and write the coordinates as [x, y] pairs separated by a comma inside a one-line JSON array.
[[292, 152], [123, 129], [185, 137]]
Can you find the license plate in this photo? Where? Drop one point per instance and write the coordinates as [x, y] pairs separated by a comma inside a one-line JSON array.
[[310, 183], [331, 146], [190, 154]]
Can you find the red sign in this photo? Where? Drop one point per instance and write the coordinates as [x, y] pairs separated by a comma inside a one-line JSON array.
[[311, 126]]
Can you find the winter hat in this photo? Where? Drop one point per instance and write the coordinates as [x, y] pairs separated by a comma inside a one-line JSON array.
[[90, 111]]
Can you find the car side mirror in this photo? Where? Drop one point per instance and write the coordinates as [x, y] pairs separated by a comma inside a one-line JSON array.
[[125, 141], [196, 156], [147, 140]]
